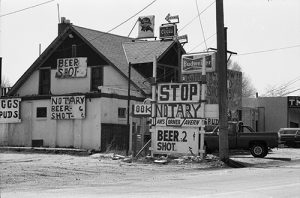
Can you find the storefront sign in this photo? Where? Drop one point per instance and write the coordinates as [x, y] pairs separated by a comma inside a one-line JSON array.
[[192, 63], [180, 122], [71, 68], [167, 31], [146, 27], [67, 107], [179, 92], [170, 140], [294, 101], [10, 110], [142, 110]]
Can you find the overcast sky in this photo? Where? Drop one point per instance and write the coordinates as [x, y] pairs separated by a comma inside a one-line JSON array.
[[253, 26]]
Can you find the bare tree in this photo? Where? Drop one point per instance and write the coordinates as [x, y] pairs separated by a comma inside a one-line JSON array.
[[5, 82], [248, 89]]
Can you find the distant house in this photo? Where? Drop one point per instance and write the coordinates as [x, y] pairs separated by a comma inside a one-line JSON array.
[[75, 94]]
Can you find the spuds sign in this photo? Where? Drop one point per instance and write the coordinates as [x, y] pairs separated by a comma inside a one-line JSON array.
[[10, 110], [71, 68]]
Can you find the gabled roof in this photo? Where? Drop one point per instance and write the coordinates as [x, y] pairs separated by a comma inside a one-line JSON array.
[[115, 49], [144, 51]]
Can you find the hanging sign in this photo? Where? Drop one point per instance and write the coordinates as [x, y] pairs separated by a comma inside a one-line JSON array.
[[67, 107], [170, 140], [167, 31], [179, 92], [10, 110], [192, 63], [142, 110], [146, 27], [71, 68], [169, 18], [180, 122]]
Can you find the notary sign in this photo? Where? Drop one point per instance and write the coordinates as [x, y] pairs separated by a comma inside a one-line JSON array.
[[142, 110], [71, 67], [179, 92], [67, 107], [193, 63], [10, 110], [176, 140]]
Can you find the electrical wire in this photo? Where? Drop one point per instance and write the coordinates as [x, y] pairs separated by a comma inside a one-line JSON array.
[[196, 17], [26, 8], [202, 42], [270, 50], [201, 24]]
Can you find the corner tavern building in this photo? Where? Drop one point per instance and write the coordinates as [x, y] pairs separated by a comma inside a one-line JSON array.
[[75, 94]]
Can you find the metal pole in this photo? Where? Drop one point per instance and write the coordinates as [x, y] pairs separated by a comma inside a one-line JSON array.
[[128, 107], [0, 76], [222, 83], [152, 129]]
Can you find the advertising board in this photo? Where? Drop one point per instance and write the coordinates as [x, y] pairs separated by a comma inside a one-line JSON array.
[[170, 140], [142, 110], [10, 110], [146, 26], [167, 31], [179, 92], [192, 63], [293, 101], [71, 67], [67, 107]]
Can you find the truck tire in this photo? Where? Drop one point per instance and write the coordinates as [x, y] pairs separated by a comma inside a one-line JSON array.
[[258, 150]]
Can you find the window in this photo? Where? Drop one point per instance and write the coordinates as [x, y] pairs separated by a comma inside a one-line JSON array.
[[44, 81], [122, 112], [96, 78], [41, 112], [74, 50]]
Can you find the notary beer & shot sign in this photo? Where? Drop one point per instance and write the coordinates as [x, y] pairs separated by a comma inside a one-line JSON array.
[[67, 107]]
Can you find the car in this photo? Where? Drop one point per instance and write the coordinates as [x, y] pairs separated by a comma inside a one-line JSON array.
[[289, 137]]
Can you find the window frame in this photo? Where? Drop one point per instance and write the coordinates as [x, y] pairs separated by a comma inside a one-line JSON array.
[[94, 80], [44, 86]]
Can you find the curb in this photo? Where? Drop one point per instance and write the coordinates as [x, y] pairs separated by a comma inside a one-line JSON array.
[[80, 152]]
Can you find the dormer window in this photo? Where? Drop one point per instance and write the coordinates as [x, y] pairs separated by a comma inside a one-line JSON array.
[[44, 81]]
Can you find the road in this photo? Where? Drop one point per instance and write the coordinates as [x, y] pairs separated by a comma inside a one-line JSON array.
[[276, 176]]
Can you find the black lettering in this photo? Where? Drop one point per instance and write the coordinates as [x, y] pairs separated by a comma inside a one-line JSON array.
[[193, 91], [164, 95], [184, 92], [159, 135]]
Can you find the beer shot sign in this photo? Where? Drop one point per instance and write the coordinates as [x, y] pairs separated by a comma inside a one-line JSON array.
[[67, 107], [10, 110], [173, 140], [71, 68], [179, 93]]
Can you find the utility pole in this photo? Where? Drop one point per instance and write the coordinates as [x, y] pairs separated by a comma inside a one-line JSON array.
[[222, 83]]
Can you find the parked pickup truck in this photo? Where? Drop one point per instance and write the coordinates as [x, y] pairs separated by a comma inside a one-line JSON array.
[[243, 137]]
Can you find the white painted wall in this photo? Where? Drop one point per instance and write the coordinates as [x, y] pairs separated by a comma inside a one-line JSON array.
[[31, 86]]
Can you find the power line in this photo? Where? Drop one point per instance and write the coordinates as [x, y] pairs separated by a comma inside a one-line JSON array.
[[202, 42], [270, 50], [201, 24], [26, 8], [196, 16]]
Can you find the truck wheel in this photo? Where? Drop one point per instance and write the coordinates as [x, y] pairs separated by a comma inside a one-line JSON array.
[[259, 150]]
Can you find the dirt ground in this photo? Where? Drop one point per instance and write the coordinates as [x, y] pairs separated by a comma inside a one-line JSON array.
[[21, 171]]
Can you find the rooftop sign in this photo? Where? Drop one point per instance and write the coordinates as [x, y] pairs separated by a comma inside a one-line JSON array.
[[146, 26], [168, 31], [294, 101]]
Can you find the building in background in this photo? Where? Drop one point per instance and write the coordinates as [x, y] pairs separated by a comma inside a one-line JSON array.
[[271, 113]]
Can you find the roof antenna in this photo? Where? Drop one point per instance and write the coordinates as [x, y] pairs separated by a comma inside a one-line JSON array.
[[58, 13]]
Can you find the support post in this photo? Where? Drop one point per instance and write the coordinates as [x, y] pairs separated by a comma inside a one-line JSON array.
[[153, 92], [222, 83], [128, 110]]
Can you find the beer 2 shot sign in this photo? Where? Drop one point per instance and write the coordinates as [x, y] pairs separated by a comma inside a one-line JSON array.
[[193, 63], [173, 140], [10, 110], [179, 92], [67, 107], [71, 67]]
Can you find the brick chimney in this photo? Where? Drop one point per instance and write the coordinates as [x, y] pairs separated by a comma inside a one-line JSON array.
[[64, 23]]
